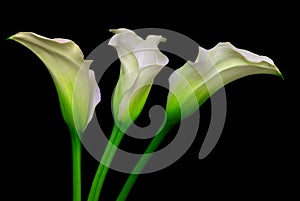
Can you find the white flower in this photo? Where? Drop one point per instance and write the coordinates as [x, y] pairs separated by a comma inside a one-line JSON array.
[[141, 61], [195, 82], [76, 86]]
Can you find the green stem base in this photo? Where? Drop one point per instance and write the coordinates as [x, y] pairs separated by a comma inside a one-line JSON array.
[[76, 163], [107, 157], [156, 141]]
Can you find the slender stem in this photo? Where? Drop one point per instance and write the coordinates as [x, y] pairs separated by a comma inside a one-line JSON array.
[[106, 159], [166, 127], [100, 167], [76, 163]]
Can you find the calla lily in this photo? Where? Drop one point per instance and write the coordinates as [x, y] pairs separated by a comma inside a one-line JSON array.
[[195, 82], [76, 85], [141, 61]]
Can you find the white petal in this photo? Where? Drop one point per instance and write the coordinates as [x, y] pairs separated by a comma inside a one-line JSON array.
[[95, 95], [137, 57], [85, 98], [213, 69], [64, 60], [148, 54]]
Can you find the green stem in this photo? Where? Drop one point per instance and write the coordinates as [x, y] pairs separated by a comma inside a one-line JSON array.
[[102, 170], [76, 163], [156, 141]]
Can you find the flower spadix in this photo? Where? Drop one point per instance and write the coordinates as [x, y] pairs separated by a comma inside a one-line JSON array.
[[195, 82], [76, 86], [141, 61]]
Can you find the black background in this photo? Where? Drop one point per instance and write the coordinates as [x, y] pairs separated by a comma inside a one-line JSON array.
[[256, 155]]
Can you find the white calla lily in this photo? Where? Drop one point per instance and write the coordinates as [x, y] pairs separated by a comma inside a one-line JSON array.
[[76, 86], [195, 82], [141, 61]]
